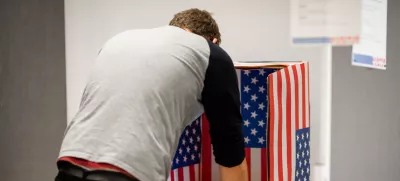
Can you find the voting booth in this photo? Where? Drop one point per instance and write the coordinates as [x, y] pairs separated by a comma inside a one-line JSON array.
[[275, 105]]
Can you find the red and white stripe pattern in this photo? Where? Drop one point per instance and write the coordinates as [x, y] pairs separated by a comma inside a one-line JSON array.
[[289, 114], [189, 173], [208, 168], [345, 40]]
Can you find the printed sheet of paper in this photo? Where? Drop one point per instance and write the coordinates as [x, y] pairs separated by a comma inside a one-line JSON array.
[[371, 51], [336, 22]]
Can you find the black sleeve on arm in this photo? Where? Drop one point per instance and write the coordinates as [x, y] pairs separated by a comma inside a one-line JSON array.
[[221, 100]]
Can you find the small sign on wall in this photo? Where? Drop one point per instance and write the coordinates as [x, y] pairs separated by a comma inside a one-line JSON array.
[[371, 50]]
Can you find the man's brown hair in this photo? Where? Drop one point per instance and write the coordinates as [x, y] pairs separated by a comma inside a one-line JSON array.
[[199, 22]]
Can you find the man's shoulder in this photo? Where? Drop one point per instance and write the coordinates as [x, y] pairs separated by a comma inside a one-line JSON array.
[[218, 55]]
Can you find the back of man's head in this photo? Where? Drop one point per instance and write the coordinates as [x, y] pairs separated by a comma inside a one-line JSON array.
[[199, 22]]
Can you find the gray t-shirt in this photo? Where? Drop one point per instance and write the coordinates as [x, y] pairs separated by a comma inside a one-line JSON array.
[[145, 87]]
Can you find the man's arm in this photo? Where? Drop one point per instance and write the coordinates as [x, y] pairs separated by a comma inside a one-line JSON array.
[[221, 100]]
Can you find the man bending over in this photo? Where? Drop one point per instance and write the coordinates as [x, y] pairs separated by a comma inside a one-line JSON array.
[[146, 85]]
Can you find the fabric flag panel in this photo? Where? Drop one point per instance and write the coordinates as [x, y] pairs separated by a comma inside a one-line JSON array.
[[254, 98], [254, 105], [185, 165], [276, 127], [289, 126]]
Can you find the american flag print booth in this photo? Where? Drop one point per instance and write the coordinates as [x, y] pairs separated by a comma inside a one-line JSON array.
[[275, 107]]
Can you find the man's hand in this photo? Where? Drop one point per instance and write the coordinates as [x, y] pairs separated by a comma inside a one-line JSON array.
[[237, 173]]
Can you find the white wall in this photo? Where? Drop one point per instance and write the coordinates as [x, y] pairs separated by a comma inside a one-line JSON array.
[[252, 30]]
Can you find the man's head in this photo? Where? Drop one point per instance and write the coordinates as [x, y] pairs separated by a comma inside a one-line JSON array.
[[199, 22]]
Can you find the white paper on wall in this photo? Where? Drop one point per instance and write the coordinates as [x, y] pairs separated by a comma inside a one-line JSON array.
[[335, 22]]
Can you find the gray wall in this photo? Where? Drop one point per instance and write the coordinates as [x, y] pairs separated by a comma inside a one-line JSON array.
[[366, 113], [32, 88]]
